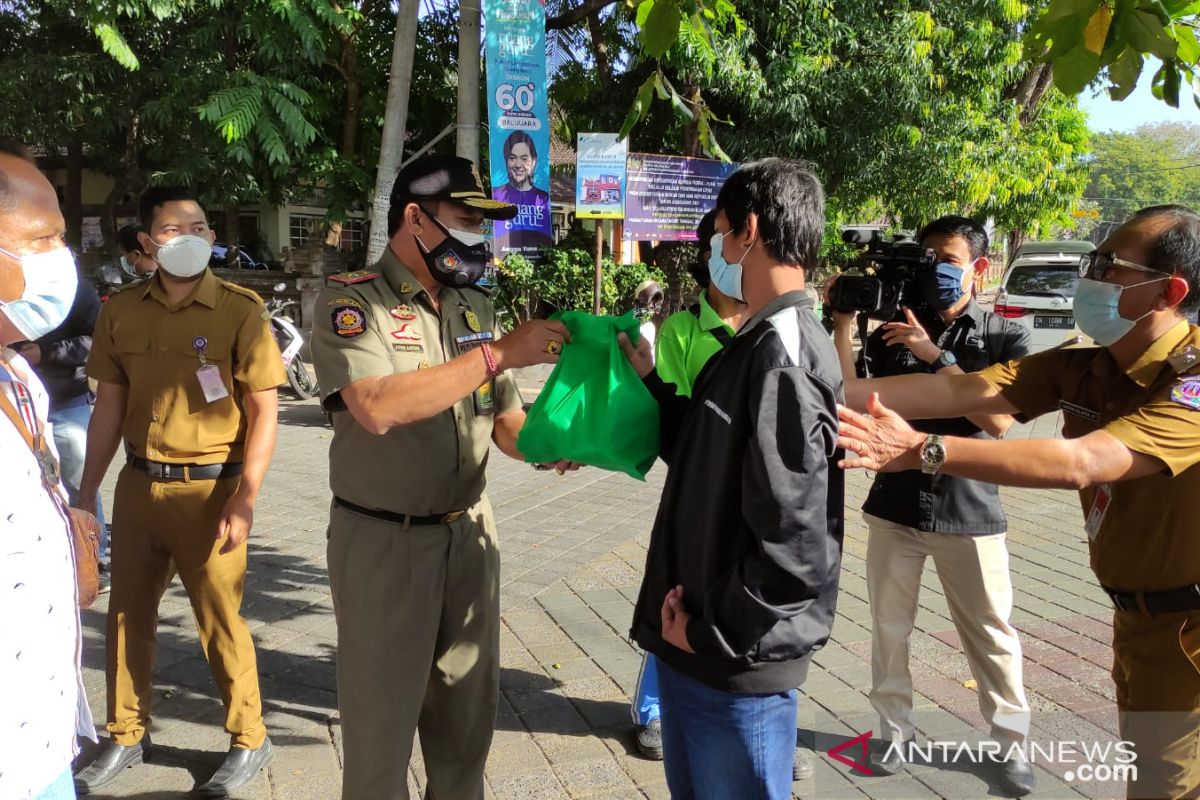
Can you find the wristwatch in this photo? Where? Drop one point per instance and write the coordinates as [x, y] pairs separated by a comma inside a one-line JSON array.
[[944, 359], [933, 454]]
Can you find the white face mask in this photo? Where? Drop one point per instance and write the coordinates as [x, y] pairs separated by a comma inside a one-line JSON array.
[[184, 256], [50, 283]]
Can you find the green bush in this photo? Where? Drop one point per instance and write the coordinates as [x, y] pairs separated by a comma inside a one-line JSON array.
[[565, 281]]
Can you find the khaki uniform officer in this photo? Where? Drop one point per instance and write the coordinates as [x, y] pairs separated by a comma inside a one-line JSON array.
[[1131, 410], [187, 368], [412, 371]]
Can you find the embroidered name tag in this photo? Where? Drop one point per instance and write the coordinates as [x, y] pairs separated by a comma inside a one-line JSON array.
[[1079, 411]]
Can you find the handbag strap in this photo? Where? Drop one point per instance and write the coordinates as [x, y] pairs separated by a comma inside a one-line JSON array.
[[26, 422]]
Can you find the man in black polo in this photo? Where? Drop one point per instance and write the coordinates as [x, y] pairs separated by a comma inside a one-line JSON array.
[[958, 522]]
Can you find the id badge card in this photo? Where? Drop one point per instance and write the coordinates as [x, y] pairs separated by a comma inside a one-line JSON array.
[[1100, 504], [211, 383]]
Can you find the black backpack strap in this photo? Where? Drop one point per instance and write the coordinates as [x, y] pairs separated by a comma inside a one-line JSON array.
[[694, 310]]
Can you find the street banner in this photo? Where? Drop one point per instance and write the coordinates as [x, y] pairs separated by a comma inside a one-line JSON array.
[[667, 195], [600, 176], [519, 123]]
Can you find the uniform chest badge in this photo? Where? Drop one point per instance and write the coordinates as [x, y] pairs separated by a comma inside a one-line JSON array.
[[1187, 393], [406, 288], [407, 333], [348, 321], [473, 321], [404, 313]]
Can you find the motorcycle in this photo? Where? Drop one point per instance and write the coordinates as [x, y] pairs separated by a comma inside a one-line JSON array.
[[288, 336]]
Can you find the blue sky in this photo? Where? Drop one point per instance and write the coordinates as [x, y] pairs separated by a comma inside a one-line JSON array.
[[1139, 108]]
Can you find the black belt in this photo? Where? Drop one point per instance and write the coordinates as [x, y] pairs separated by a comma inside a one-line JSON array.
[[1165, 602], [158, 471], [403, 519]]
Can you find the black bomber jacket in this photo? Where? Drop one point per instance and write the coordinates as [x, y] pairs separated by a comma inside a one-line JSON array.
[[750, 521]]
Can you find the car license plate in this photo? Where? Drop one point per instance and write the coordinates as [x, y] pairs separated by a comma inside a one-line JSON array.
[[1056, 322]]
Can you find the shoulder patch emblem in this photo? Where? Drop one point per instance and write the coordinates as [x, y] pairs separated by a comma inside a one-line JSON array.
[[344, 301], [359, 276], [348, 321], [1187, 393]]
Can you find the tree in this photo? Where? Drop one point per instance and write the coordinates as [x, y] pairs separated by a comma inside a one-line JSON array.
[[1154, 164], [1108, 40]]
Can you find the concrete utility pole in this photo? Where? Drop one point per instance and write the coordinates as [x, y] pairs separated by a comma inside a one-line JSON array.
[[395, 124], [468, 80]]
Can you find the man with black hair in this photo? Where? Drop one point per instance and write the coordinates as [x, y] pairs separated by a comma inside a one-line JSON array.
[[742, 570], [1131, 422], [913, 516], [135, 261], [187, 370], [415, 375]]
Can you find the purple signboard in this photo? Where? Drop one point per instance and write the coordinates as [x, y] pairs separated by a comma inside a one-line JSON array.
[[667, 195]]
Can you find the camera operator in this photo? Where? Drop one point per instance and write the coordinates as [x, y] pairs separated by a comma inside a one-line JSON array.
[[958, 522]]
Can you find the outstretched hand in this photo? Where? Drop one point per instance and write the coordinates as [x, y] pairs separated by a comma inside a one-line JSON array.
[[880, 439]]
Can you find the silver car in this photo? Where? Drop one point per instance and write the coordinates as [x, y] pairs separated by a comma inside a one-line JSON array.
[[1038, 290]]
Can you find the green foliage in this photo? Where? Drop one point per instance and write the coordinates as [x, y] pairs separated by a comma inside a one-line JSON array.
[[1090, 40], [1149, 166], [565, 282]]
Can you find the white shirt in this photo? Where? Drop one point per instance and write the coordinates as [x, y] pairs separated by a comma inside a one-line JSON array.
[[41, 686]]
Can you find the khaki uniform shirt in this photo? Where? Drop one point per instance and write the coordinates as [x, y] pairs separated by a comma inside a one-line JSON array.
[[383, 322], [154, 348], [1143, 533]]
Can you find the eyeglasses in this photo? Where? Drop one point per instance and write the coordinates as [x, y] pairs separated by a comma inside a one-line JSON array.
[[1095, 265]]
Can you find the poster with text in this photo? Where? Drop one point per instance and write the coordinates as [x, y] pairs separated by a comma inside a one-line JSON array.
[[600, 176], [667, 195], [519, 130]]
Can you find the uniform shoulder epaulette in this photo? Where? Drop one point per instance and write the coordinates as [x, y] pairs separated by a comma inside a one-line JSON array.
[[242, 290], [1184, 359], [1077, 342], [486, 292], [358, 276], [136, 282]]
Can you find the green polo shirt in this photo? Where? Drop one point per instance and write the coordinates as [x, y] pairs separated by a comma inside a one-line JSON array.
[[685, 343]]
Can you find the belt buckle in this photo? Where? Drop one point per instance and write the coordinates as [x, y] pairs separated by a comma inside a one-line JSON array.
[[453, 516], [160, 471]]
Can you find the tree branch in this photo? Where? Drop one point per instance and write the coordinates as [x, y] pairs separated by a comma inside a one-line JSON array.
[[577, 15]]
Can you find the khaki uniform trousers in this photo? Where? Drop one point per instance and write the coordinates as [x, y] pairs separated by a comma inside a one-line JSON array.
[[418, 618], [973, 571], [1158, 700], [157, 523]]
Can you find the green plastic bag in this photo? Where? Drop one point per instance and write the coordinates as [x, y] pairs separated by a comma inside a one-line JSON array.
[[594, 409]]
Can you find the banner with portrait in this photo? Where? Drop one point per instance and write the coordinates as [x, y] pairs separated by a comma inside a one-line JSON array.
[[519, 124]]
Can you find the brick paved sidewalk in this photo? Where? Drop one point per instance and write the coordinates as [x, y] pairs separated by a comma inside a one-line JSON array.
[[572, 550]]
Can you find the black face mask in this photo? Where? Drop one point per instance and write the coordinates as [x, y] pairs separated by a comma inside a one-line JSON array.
[[452, 262]]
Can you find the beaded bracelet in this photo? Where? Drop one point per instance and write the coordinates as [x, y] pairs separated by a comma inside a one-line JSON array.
[[489, 360]]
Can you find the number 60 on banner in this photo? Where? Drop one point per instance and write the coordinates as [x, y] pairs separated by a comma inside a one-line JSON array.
[[509, 97]]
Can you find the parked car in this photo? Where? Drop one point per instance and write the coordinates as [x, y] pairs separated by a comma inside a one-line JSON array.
[[1038, 290]]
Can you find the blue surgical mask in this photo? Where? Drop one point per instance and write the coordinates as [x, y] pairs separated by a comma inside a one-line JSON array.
[[725, 276], [50, 283], [941, 286], [1097, 313]]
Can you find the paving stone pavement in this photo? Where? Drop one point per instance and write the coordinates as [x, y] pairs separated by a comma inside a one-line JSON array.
[[572, 550]]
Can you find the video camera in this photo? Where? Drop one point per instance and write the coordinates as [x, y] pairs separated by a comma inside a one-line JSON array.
[[888, 275]]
